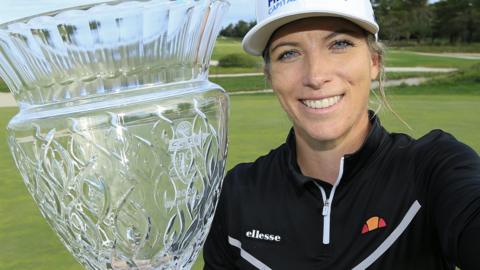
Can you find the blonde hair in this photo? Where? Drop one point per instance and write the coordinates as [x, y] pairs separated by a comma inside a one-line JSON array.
[[375, 47]]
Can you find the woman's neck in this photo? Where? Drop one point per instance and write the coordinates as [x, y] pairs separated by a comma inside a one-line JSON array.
[[321, 159]]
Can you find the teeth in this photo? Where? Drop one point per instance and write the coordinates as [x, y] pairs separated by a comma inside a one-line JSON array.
[[322, 103]]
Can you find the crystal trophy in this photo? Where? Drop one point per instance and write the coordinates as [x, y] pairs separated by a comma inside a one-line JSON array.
[[120, 138]]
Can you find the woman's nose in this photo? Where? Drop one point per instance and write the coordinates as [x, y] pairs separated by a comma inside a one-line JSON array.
[[317, 71]]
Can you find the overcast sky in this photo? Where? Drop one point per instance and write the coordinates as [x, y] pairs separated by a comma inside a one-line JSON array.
[[14, 9]]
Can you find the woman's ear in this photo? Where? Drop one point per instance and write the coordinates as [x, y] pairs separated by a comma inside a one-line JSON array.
[[375, 66], [266, 72]]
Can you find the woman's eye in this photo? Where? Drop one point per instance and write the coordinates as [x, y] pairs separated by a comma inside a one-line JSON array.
[[287, 55], [341, 44]]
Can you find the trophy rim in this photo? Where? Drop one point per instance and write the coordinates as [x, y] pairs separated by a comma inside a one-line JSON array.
[[85, 7], [53, 13], [48, 86]]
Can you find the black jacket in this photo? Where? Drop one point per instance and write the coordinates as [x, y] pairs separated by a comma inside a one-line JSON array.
[[399, 203]]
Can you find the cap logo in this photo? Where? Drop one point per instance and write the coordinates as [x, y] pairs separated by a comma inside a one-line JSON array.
[[273, 5]]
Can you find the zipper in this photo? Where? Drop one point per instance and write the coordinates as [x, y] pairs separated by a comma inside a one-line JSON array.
[[327, 204]]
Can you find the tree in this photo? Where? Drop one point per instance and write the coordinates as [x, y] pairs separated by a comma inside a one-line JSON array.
[[227, 31], [241, 28], [403, 19], [457, 20], [238, 30]]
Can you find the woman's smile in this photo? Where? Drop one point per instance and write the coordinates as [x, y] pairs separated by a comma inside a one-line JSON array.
[[322, 105]]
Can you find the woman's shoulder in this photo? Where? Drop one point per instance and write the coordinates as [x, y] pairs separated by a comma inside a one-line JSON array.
[[441, 143], [439, 150], [435, 141], [435, 151]]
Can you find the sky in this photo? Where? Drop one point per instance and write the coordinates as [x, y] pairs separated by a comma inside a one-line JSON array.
[[15, 9]]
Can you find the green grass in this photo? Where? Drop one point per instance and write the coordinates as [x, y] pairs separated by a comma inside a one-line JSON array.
[[232, 70], [250, 138], [436, 48], [247, 83], [225, 46], [463, 82], [3, 86], [251, 83], [437, 88], [457, 114], [28, 243], [396, 58], [404, 75]]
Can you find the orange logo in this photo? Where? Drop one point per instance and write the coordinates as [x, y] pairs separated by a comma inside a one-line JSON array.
[[373, 223]]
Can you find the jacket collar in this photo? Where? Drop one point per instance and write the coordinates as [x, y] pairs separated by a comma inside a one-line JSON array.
[[353, 163]]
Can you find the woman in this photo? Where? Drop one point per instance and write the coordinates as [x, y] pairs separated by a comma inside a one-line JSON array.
[[342, 192]]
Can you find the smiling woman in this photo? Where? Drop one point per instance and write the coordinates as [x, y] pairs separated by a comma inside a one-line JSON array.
[[321, 69], [339, 169]]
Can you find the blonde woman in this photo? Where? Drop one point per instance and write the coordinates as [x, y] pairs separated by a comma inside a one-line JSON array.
[[342, 192]]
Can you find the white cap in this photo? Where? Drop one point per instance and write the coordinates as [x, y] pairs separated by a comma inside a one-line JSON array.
[[272, 14]]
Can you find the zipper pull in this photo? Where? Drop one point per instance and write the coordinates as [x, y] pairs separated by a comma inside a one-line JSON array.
[[326, 208]]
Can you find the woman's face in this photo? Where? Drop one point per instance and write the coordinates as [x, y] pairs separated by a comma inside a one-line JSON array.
[[321, 70]]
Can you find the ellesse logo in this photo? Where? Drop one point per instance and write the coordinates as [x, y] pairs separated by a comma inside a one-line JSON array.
[[373, 223], [256, 234]]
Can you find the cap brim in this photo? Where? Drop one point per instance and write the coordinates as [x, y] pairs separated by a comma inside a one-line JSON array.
[[256, 39]]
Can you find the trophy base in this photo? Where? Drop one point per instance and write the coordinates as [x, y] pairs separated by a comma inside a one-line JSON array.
[[130, 176]]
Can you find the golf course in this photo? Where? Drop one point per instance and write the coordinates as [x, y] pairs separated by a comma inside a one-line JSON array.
[[257, 124]]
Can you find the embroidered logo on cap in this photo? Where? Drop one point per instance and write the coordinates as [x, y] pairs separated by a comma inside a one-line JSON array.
[[276, 4], [373, 223]]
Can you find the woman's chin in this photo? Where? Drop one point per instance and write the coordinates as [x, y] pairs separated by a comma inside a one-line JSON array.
[[322, 133]]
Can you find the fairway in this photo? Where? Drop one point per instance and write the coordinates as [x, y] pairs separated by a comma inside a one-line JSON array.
[[224, 46], [394, 58], [249, 83], [257, 124]]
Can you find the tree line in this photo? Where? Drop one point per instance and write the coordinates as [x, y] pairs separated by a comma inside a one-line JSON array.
[[239, 30], [452, 21]]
